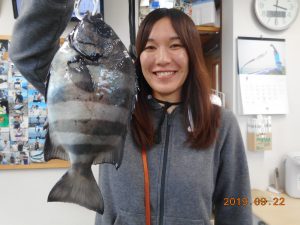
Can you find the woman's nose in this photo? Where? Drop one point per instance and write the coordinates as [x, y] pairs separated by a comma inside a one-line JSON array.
[[163, 56]]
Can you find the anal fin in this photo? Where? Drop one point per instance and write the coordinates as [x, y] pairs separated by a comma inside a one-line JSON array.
[[53, 152]]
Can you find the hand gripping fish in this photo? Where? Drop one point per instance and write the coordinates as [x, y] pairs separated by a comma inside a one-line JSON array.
[[90, 97]]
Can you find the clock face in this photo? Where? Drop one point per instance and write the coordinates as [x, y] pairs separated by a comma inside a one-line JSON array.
[[276, 14]]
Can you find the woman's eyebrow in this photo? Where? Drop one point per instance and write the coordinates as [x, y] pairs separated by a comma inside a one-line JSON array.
[[175, 38], [171, 38]]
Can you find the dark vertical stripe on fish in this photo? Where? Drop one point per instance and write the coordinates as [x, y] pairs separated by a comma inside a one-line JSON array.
[[80, 149], [120, 97], [89, 127]]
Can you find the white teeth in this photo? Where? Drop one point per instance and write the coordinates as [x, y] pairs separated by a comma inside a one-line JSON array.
[[161, 74]]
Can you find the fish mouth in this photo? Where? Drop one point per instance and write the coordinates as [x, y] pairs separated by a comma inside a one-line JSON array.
[[165, 74], [84, 48]]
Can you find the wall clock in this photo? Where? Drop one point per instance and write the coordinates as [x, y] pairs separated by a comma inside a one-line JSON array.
[[276, 14]]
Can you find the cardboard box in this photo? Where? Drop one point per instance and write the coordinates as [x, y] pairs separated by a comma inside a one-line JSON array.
[[259, 142], [204, 12]]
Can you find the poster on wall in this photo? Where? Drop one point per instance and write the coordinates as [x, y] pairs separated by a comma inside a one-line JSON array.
[[23, 113], [262, 76]]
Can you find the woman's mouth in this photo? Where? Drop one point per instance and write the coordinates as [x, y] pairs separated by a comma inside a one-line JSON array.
[[164, 74]]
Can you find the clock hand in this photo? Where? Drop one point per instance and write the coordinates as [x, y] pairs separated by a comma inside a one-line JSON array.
[[276, 22], [277, 6]]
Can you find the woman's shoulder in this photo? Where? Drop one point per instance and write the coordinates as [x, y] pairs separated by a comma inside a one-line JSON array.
[[228, 120], [227, 115]]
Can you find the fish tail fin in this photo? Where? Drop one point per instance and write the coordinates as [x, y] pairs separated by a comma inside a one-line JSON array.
[[79, 187]]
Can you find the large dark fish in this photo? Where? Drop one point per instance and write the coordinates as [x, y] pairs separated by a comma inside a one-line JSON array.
[[90, 98]]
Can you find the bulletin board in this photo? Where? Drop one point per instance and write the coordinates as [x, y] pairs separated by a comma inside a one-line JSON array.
[[23, 112]]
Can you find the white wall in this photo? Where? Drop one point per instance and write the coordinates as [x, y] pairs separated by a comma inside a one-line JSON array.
[[23, 193], [6, 17], [239, 20]]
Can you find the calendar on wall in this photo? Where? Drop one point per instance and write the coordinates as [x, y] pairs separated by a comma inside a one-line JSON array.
[[262, 76]]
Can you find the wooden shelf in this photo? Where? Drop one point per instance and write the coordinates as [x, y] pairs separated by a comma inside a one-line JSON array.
[[5, 37], [54, 163], [208, 29]]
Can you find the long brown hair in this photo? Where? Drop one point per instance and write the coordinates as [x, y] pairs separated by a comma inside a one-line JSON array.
[[196, 89]]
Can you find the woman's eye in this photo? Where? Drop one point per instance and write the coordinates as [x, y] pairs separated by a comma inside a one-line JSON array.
[[177, 45], [149, 47]]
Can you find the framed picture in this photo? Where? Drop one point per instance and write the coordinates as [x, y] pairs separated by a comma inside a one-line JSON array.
[[23, 112], [85, 5]]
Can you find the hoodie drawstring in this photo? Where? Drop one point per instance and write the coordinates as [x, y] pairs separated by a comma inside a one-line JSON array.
[[162, 118]]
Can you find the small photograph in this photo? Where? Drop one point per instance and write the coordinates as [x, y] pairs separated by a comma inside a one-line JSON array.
[[3, 94], [19, 109], [4, 108], [18, 83], [4, 49], [4, 120], [4, 141], [35, 96], [37, 114], [14, 158], [24, 158], [14, 71], [36, 156], [36, 132], [18, 101], [9, 158], [3, 82], [18, 96], [37, 120], [36, 151], [18, 120], [19, 134], [37, 109], [4, 67], [4, 158], [4, 130], [36, 144], [18, 128], [19, 146]]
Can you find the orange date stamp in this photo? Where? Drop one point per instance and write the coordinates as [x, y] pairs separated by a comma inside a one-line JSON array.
[[258, 201]]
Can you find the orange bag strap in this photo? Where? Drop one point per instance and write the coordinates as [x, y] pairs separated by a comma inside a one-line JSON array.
[[146, 187]]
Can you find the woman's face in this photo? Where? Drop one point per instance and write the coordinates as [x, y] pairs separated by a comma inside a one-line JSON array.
[[164, 62]]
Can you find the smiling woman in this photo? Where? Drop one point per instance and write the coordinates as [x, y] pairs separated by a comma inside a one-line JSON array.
[[192, 148], [171, 68]]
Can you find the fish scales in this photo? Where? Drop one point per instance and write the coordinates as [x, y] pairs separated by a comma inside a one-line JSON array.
[[90, 99]]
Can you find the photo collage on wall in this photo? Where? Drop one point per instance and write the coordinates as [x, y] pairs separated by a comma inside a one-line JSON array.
[[23, 113]]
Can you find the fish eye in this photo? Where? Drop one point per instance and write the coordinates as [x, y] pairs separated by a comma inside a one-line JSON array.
[[104, 31]]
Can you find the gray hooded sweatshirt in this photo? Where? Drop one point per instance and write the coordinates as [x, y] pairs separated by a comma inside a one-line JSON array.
[[186, 185]]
